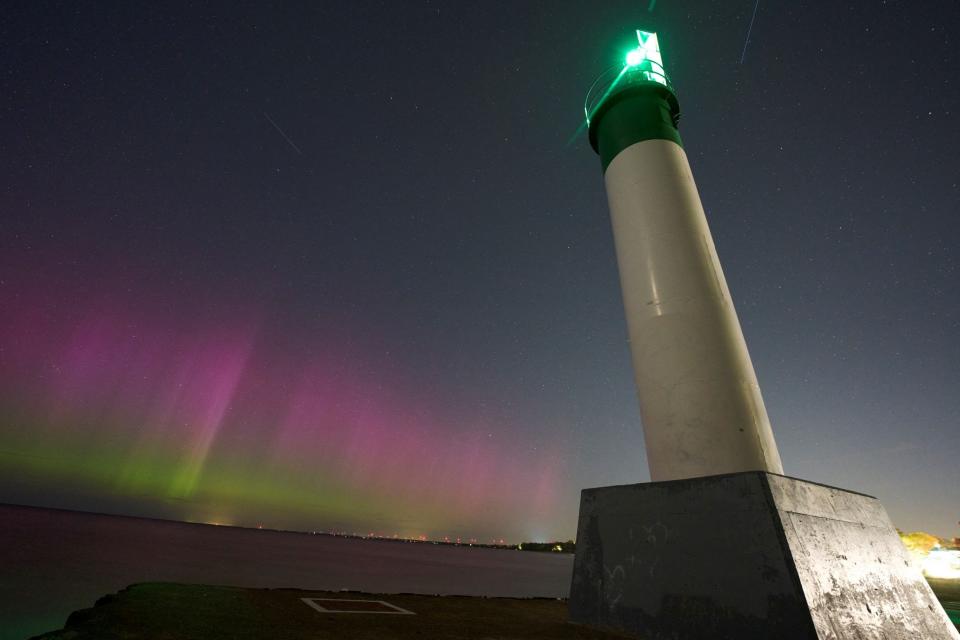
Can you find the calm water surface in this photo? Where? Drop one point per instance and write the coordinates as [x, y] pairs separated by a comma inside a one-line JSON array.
[[54, 562]]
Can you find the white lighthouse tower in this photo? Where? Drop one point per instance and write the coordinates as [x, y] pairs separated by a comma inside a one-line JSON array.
[[720, 544], [699, 399]]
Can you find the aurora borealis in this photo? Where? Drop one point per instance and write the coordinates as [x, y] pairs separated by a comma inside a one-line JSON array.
[[349, 266], [190, 415]]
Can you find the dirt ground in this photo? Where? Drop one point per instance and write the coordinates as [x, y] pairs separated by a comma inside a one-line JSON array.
[[167, 611], [181, 612]]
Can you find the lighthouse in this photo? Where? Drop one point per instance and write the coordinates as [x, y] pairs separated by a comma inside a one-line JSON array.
[[700, 403], [720, 544]]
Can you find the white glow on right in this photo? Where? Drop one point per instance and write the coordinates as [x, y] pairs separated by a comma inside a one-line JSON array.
[[943, 564]]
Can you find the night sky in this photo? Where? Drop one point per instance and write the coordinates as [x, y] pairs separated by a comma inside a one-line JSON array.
[[350, 267]]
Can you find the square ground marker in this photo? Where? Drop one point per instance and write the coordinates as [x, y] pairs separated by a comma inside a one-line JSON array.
[[336, 605]]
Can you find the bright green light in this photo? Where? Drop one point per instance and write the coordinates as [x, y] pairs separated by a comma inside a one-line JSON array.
[[642, 65], [646, 57], [649, 48]]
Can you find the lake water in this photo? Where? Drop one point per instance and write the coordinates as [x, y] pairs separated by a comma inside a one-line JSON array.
[[54, 562]]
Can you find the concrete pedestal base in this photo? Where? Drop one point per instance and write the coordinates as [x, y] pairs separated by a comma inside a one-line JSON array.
[[747, 555]]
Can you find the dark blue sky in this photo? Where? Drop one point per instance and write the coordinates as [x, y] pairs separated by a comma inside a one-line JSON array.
[[407, 178]]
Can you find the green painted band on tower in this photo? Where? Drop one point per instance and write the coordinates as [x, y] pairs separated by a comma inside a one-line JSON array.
[[640, 112]]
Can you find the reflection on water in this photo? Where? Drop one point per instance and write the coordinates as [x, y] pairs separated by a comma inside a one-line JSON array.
[[54, 562]]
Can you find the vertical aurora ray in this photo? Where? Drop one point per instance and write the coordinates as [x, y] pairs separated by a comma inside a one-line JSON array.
[[196, 417], [213, 387]]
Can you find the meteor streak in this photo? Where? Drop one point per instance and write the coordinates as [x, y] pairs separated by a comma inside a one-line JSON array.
[[280, 131], [749, 31]]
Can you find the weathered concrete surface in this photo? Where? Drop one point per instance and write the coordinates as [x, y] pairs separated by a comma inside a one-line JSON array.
[[747, 555]]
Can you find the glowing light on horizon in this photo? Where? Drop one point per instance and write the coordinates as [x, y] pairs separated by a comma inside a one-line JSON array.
[[943, 564]]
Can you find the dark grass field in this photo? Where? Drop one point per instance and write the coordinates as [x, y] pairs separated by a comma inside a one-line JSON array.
[[182, 612], [948, 592]]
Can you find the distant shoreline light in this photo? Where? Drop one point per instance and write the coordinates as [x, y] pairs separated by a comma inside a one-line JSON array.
[[942, 564], [457, 541]]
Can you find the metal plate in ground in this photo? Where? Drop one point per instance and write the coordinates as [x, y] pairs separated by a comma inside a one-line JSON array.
[[337, 605]]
